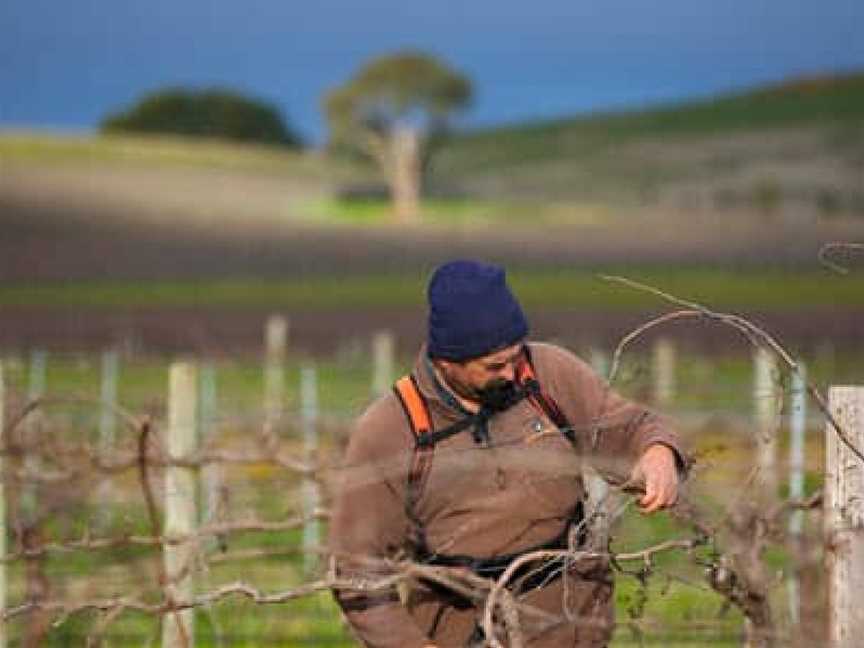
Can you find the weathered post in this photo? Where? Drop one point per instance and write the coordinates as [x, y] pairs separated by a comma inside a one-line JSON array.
[[844, 518], [383, 346], [108, 399], [311, 496], [766, 405], [107, 428], [274, 370], [211, 473], [797, 427], [38, 370], [180, 510], [2, 506], [664, 359]]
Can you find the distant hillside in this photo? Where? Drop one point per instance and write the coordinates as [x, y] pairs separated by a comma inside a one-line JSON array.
[[788, 152], [819, 100], [758, 138]]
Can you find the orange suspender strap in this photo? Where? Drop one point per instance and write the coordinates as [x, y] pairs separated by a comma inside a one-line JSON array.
[[418, 416], [414, 406], [525, 371]]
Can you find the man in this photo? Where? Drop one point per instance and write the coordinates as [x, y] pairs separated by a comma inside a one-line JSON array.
[[476, 460]]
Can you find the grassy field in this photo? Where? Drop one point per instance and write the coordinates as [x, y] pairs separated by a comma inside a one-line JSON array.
[[764, 289], [172, 152], [797, 145]]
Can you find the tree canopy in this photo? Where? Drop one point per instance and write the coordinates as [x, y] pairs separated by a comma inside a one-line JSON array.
[[407, 88], [206, 113]]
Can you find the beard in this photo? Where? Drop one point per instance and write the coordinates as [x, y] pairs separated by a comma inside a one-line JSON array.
[[497, 395]]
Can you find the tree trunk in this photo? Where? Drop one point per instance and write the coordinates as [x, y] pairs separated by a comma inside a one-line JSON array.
[[404, 174]]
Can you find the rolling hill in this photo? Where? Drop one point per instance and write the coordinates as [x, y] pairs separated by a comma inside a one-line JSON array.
[[799, 145], [795, 149]]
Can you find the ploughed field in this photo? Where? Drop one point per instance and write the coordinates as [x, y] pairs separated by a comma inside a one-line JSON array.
[[74, 278]]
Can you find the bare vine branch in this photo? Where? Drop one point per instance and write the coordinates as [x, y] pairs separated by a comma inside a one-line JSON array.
[[756, 335], [830, 248]]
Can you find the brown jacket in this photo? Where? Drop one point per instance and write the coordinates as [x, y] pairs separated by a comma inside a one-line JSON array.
[[515, 494]]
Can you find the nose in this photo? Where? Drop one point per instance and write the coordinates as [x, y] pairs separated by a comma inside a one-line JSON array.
[[508, 373]]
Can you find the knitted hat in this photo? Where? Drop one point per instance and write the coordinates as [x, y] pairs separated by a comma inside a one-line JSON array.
[[472, 311]]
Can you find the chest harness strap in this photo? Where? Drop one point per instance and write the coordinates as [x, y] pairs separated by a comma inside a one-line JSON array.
[[417, 412]]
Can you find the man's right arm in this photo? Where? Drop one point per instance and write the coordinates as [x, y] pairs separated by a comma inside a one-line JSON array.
[[369, 525]]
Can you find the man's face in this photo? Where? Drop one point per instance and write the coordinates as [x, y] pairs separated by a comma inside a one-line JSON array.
[[472, 378]]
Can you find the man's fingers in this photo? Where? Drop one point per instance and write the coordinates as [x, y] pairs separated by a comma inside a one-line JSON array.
[[658, 496], [649, 500]]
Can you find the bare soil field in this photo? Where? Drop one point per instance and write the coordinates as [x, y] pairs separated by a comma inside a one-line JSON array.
[[226, 333], [56, 240], [49, 239]]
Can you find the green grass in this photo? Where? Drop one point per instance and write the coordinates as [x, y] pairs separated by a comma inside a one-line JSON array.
[[379, 212], [763, 289], [679, 610], [161, 151], [344, 386]]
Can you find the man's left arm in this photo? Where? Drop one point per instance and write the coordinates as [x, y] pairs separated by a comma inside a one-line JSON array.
[[640, 449], [627, 443]]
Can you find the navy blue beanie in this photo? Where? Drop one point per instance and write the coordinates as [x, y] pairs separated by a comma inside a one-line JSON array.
[[472, 311]]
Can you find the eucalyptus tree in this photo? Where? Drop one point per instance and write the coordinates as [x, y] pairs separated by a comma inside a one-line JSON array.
[[391, 110]]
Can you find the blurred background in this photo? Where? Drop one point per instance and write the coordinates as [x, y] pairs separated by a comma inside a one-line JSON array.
[[175, 175]]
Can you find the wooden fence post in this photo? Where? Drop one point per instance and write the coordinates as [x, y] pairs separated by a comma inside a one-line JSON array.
[[311, 496], [2, 507], [107, 430], [797, 428], [383, 350], [766, 404], [844, 519], [276, 344], [180, 510], [108, 400], [664, 360], [211, 474], [37, 379]]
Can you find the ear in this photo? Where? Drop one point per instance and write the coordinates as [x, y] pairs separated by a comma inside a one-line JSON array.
[[444, 366]]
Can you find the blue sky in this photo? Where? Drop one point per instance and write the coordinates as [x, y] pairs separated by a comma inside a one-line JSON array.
[[65, 65]]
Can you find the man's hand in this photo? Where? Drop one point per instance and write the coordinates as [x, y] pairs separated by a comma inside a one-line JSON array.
[[657, 470]]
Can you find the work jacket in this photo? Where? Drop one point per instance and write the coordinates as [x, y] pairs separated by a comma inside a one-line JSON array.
[[517, 492]]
